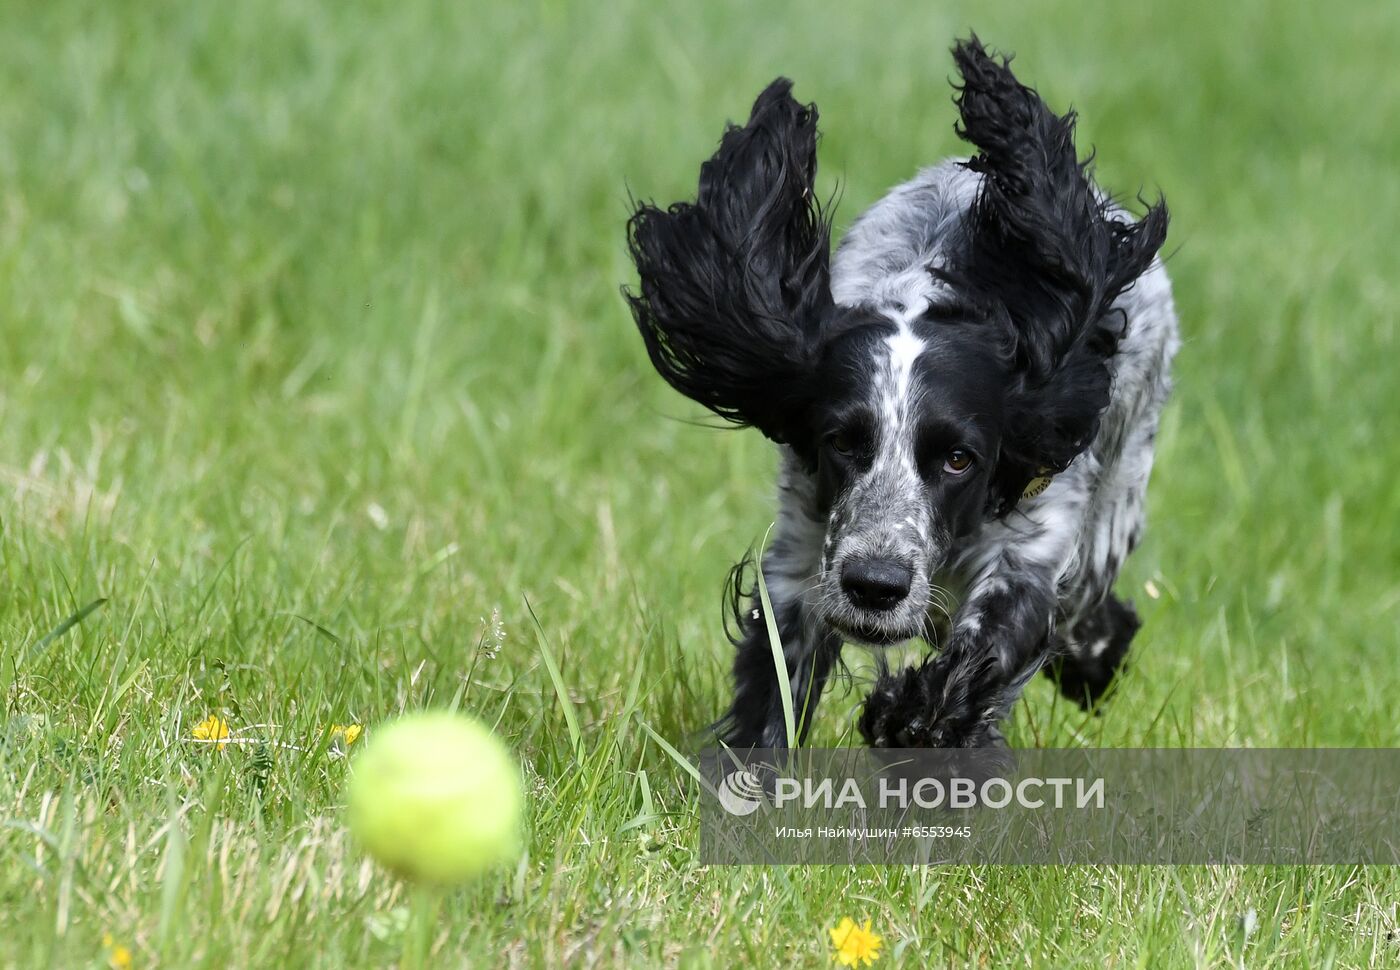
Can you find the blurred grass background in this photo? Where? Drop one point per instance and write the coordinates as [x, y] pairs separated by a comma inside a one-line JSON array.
[[312, 356]]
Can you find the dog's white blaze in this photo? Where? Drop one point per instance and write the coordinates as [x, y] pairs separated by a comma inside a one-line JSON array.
[[905, 348], [894, 386]]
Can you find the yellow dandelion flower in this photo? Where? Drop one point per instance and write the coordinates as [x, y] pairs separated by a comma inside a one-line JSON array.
[[854, 943], [118, 956], [346, 734], [212, 728]]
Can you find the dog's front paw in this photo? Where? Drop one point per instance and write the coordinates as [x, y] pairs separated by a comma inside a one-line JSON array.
[[892, 711], [915, 709]]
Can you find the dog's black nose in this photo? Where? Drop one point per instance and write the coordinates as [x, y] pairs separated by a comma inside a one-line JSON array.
[[876, 584]]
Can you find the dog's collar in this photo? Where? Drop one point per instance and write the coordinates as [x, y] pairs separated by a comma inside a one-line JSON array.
[[1038, 484]]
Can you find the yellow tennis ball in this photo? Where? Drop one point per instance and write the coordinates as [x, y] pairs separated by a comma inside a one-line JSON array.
[[436, 797]]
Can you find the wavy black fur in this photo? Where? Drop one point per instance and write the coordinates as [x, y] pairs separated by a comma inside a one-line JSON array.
[[1047, 259], [734, 286]]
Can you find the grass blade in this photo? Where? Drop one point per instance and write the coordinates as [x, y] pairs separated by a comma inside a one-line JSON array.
[[775, 643], [570, 713], [675, 755], [73, 620]]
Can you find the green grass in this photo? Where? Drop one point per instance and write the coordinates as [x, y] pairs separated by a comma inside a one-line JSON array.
[[312, 356]]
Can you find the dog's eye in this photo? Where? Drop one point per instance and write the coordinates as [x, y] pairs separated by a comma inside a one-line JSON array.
[[843, 443], [957, 462]]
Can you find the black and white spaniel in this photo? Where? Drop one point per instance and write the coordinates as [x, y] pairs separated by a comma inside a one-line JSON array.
[[965, 398]]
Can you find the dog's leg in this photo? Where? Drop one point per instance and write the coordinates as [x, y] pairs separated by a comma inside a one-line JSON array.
[[791, 568], [756, 719], [957, 699], [1092, 651]]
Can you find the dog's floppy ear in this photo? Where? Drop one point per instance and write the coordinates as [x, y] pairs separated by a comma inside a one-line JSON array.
[[1045, 246], [734, 286]]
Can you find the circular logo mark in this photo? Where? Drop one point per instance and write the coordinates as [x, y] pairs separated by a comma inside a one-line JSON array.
[[741, 792]]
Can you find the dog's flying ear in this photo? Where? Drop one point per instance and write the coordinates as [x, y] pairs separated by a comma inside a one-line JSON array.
[[735, 286], [1046, 247]]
